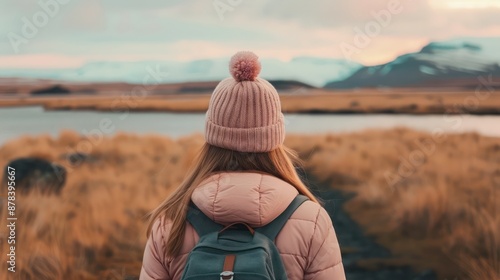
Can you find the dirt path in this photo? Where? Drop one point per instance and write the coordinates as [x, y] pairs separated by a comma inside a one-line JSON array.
[[356, 245]]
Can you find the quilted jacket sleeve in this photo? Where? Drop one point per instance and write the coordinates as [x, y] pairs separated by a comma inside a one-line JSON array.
[[324, 260], [152, 264]]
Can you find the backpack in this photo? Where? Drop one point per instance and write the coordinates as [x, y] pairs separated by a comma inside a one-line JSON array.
[[237, 251]]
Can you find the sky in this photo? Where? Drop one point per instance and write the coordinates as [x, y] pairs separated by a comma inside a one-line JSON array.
[[69, 33]]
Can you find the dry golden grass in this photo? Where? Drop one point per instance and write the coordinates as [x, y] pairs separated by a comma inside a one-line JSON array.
[[310, 100], [443, 215], [94, 230]]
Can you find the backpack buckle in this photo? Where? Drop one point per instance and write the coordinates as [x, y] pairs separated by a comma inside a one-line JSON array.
[[226, 275]]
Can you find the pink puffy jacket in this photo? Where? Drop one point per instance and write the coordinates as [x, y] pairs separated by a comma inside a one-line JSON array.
[[307, 243]]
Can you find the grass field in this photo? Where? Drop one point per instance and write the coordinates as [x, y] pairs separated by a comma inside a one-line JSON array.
[[432, 200], [481, 101]]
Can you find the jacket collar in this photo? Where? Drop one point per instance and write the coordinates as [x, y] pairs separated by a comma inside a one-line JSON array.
[[253, 197]]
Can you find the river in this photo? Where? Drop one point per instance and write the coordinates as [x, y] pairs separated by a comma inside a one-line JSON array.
[[18, 121]]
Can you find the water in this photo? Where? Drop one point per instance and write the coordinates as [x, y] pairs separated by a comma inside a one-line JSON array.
[[15, 122]]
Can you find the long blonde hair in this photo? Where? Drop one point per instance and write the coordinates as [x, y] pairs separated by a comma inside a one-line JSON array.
[[280, 162]]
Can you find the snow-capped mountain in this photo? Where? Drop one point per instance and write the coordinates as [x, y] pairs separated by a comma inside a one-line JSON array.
[[457, 63], [454, 63], [309, 70]]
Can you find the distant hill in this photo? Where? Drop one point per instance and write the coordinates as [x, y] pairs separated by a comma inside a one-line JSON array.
[[203, 87], [56, 89], [456, 63], [37, 87]]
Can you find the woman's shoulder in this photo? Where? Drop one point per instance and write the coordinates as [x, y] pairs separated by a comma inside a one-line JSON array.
[[309, 224], [160, 229], [314, 214]]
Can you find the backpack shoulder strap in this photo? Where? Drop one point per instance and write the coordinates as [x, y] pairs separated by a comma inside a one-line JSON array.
[[200, 222], [272, 229]]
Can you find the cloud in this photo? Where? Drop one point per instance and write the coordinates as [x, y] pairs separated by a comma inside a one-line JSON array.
[[282, 28]]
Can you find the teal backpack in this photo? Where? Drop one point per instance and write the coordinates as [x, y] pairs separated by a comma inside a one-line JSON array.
[[237, 251]]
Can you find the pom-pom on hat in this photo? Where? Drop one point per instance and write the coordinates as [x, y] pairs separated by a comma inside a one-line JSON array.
[[244, 66], [244, 112]]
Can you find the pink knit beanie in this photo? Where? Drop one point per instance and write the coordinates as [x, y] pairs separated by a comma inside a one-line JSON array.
[[244, 113]]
